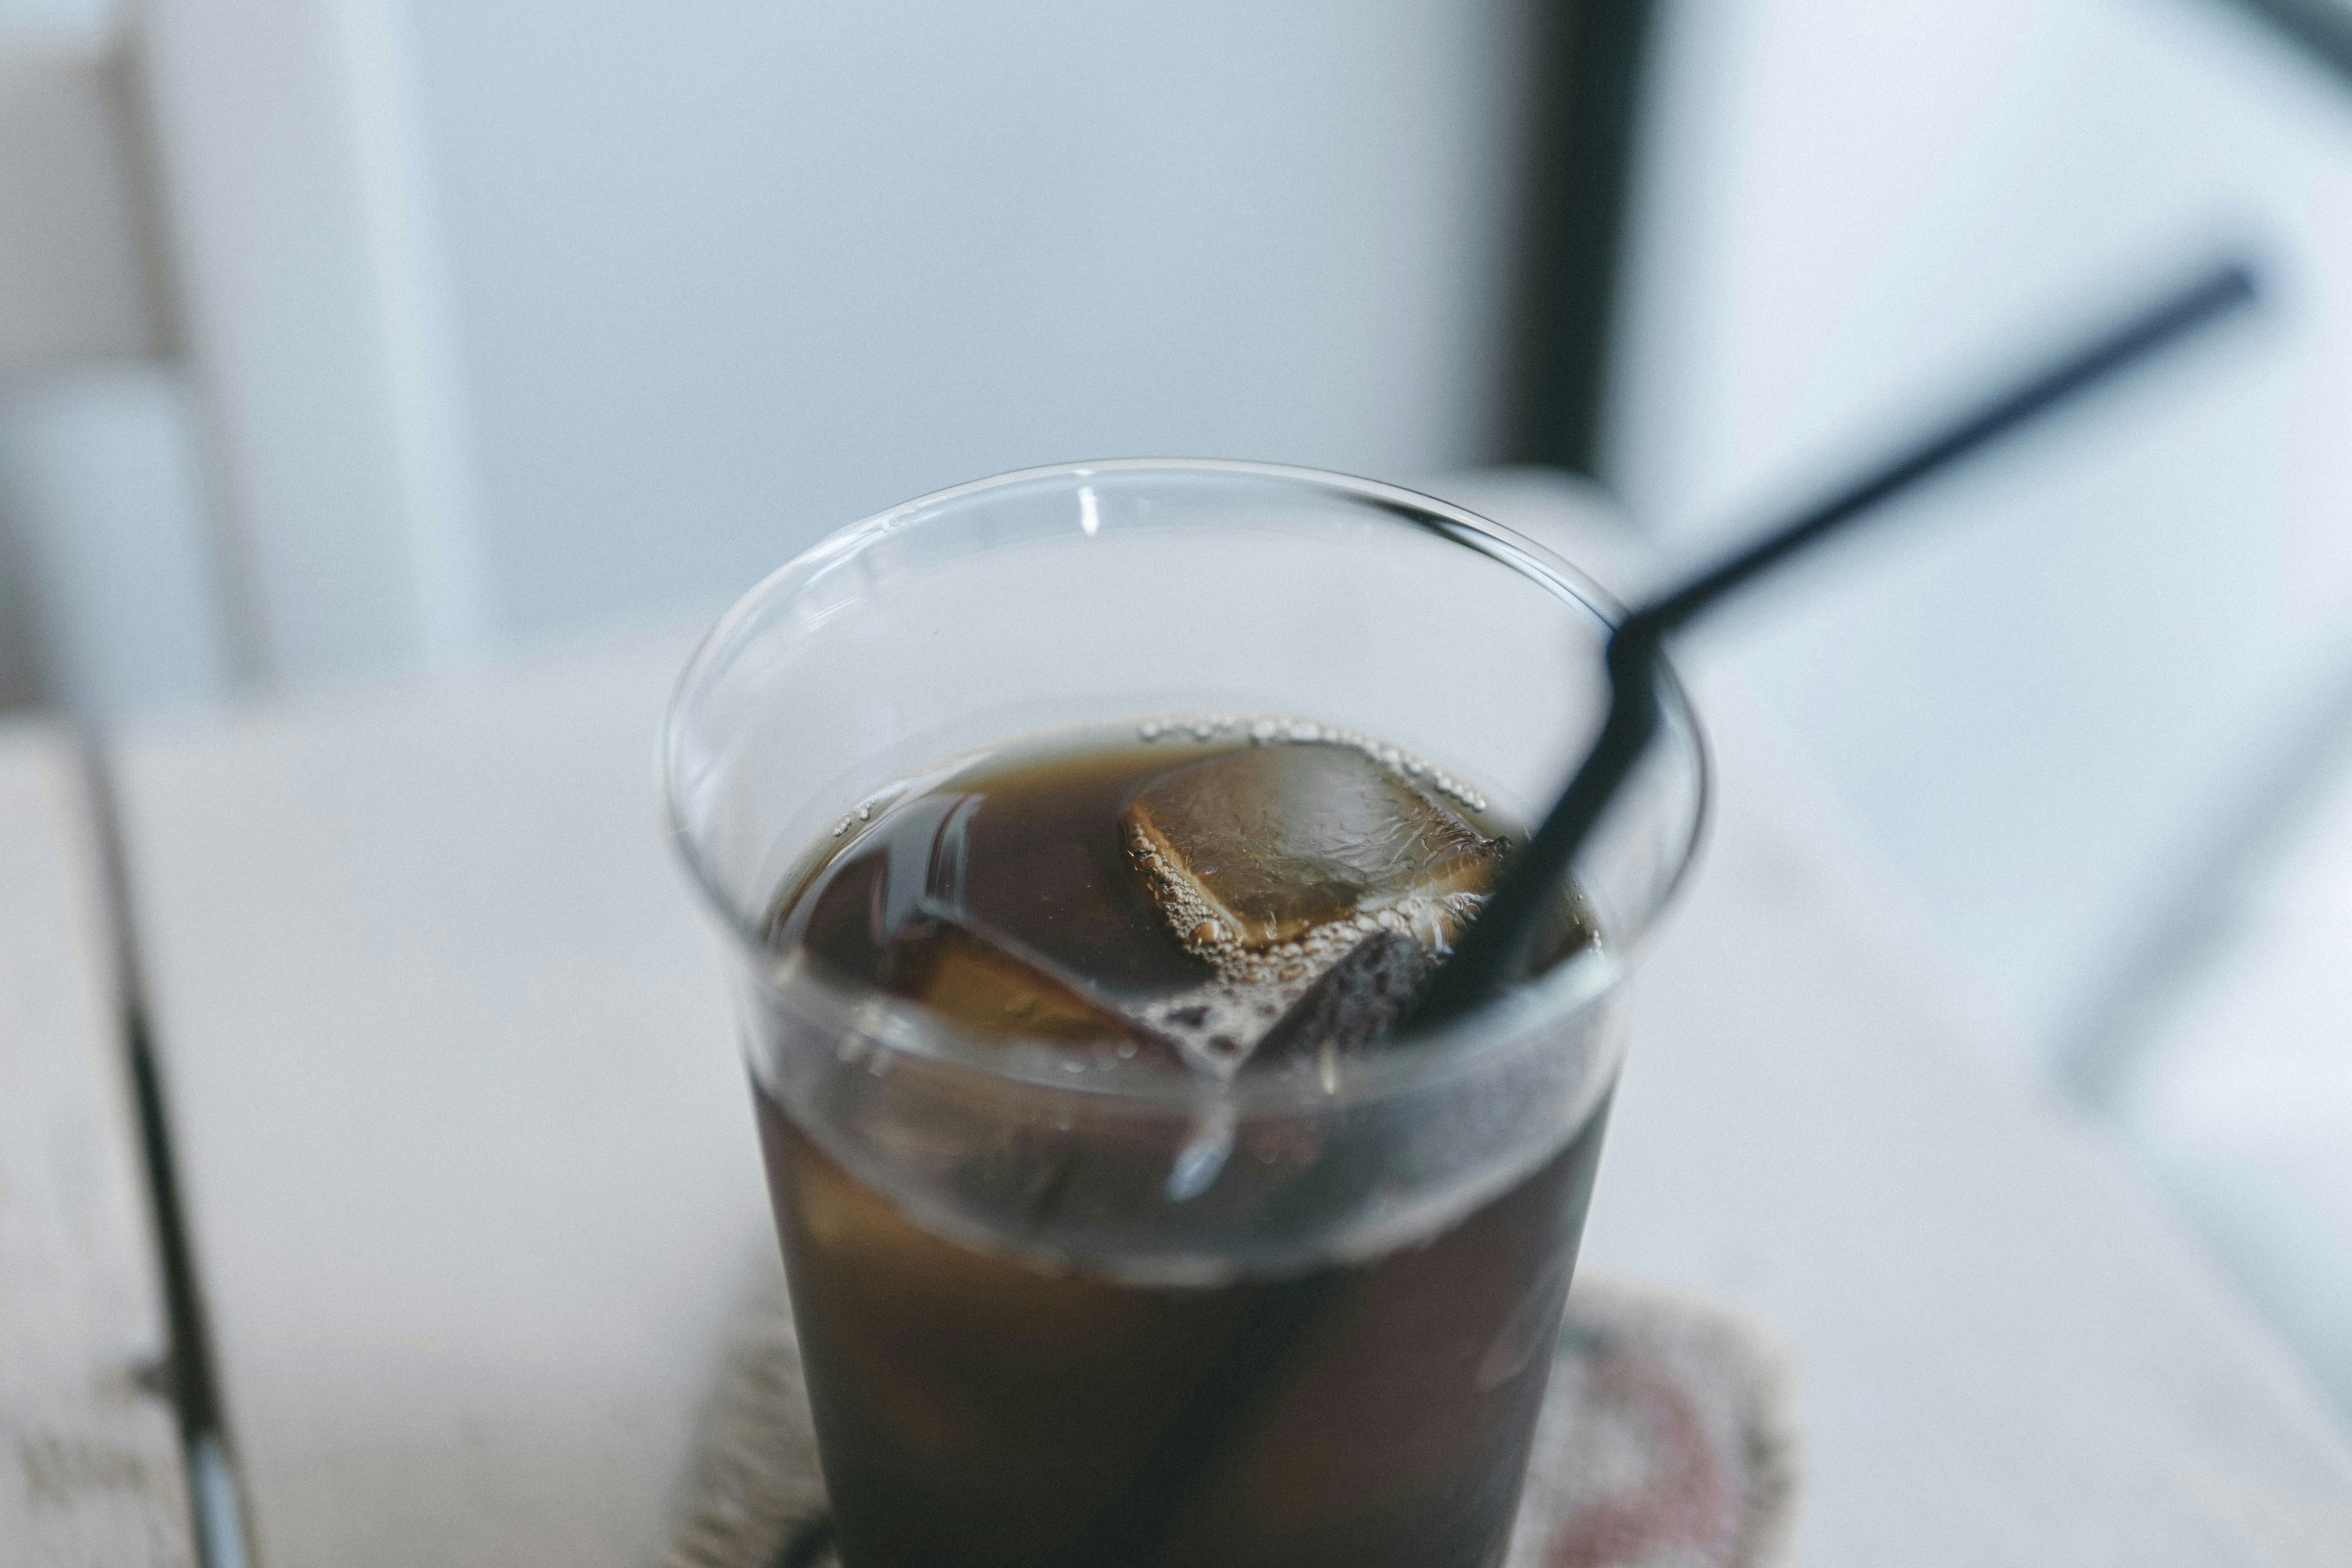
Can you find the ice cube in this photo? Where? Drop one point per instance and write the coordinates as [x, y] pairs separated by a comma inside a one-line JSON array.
[[1259, 847], [893, 910], [854, 910], [979, 978]]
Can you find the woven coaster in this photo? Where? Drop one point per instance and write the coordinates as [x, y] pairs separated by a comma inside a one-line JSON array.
[[1668, 1440]]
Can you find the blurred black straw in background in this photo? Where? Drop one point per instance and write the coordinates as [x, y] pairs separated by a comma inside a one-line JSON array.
[[1135, 1529], [1493, 951], [2321, 28]]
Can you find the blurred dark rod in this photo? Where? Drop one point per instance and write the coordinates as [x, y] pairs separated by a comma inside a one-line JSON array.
[[189, 1377], [1493, 951], [1585, 108], [2321, 28]]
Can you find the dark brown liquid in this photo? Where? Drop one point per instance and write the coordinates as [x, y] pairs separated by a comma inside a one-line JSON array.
[[988, 1408]]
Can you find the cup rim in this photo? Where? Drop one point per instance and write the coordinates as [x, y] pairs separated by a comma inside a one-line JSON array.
[[904, 1026]]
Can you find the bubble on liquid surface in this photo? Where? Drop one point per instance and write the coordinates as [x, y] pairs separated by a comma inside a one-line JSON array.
[[1352, 1005]]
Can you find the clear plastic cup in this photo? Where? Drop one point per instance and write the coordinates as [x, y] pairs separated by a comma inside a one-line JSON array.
[[1333, 1349]]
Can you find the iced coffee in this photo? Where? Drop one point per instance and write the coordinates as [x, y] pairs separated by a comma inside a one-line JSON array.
[[1079, 838], [1215, 905]]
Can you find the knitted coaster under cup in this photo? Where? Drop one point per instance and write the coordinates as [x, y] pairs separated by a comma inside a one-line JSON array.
[[1668, 1440]]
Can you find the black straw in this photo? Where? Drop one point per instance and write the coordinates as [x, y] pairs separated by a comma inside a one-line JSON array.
[[1136, 1527], [2321, 28], [1493, 951]]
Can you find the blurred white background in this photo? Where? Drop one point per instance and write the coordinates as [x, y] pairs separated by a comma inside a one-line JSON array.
[[353, 337]]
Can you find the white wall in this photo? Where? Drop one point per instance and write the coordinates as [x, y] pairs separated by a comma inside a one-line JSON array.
[[2049, 690], [101, 492], [88, 610], [495, 320], [22, 16], [728, 275], [74, 280], [307, 270]]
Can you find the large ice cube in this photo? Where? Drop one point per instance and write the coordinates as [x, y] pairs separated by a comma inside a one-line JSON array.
[[979, 978], [882, 915], [1259, 847]]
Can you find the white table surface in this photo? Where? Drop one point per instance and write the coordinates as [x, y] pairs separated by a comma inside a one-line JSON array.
[[472, 1171], [90, 1455]]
